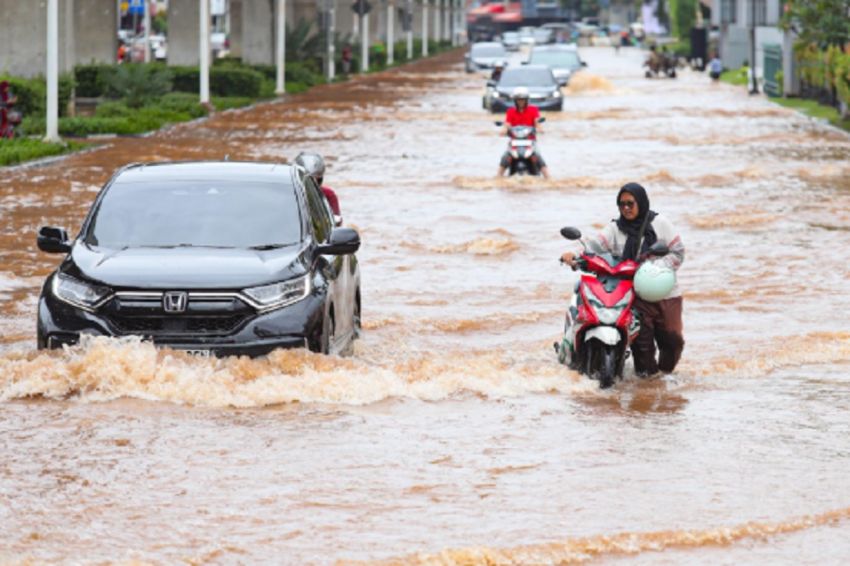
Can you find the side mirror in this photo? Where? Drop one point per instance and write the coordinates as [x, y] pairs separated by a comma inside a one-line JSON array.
[[53, 240], [584, 63], [541, 120], [571, 233], [498, 123], [658, 249], [526, 62], [343, 241], [491, 83]]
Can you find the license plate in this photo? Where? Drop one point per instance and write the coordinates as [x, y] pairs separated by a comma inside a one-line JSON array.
[[522, 143], [198, 352]]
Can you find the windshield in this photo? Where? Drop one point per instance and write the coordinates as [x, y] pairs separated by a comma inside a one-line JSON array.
[[488, 51], [196, 213], [526, 77], [556, 59], [510, 35]]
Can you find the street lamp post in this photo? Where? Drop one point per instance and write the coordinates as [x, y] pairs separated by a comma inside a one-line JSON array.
[[52, 71], [205, 51], [147, 24], [390, 32], [280, 49], [755, 86], [409, 16], [424, 28]]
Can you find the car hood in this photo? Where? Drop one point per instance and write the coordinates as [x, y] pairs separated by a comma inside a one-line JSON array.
[[186, 268], [532, 90], [487, 60]]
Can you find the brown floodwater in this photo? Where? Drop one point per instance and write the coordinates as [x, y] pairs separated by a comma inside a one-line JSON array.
[[452, 436]]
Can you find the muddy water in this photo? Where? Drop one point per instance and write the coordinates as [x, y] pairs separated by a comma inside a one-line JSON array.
[[452, 436]]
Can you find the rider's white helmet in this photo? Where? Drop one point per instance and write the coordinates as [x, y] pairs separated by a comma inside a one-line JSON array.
[[653, 282], [520, 92]]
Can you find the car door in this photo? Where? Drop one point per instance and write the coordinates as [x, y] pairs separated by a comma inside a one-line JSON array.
[[336, 270]]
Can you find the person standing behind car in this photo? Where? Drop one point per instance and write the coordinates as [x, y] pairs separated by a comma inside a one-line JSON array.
[[660, 322], [314, 165]]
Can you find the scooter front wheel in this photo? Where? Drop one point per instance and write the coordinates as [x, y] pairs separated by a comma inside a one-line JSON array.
[[607, 366]]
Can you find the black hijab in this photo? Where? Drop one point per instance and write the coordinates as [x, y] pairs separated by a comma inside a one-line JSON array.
[[643, 222]]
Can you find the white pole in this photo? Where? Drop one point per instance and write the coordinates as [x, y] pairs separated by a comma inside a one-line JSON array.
[[409, 15], [52, 71], [147, 24], [205, 51], [280, 48], [331, 42], [424, 28], [438, 11], [364, 43], [390, 33]]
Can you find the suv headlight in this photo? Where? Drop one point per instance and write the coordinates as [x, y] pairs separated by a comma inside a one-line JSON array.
[[277, 295], [80, 294]]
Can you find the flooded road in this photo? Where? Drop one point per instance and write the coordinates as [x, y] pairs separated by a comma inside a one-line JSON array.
[[452, 435]]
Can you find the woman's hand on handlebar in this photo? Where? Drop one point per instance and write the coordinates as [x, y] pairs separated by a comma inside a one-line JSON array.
[[569, 258]]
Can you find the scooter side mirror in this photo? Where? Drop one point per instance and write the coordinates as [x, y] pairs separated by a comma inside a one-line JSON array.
[[571, 233], [541, 120], [584, 63], [498, 123]]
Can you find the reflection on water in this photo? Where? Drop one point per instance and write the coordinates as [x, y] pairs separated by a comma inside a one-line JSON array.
[[452, 426]]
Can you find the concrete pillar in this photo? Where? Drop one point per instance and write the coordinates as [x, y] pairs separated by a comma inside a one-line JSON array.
[[183, 33], [258, 24], [236, 28], [96, 31], [23, 38]]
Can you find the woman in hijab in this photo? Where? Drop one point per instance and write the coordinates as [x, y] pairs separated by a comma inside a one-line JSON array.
[[660, 322]]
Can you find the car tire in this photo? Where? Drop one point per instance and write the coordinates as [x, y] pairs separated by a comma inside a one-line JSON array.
[[328, 334]]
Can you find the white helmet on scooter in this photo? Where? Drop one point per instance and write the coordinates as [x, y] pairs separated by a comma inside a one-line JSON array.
[[520, 93], [653, 282]]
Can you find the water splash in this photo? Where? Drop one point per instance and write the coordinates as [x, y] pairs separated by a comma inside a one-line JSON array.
[[585, 549]]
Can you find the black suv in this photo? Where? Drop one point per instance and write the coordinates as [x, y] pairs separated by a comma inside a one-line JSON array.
[[219, 257]]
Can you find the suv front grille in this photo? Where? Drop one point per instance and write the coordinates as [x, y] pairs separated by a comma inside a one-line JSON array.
[[206, 314]]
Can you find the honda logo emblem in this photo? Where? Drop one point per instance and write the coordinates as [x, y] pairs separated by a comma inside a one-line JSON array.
[[175, 301]]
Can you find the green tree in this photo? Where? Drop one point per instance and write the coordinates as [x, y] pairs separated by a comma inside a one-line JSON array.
[[819, 22]]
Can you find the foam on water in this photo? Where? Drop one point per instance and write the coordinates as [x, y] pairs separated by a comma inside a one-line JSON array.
[[581, 550]]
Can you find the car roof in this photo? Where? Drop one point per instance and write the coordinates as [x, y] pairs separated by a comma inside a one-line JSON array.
[[528, 69], [556, 47], [206, 170]]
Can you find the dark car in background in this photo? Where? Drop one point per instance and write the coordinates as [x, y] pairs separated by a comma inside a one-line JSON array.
[[218, 257], [484, 55], [564, 60], [544, 90]]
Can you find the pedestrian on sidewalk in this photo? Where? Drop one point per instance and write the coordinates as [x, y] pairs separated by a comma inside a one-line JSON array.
[[715, 67]]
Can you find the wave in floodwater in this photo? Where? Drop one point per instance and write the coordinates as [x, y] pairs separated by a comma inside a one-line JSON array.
[[477, 246], [586, 82], [732, 219], [102, 369], [585, 549]]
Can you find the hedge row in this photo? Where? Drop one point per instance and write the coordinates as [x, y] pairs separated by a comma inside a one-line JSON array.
[[32, 93], [21, 149]]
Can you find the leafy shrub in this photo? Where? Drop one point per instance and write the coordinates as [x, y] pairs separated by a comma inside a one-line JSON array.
[[93, 80], [182, 102], [137, 83], [32, 94], [225, 80]]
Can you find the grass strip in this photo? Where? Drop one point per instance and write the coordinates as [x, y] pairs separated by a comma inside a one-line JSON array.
[[18, 150], [815, 110]]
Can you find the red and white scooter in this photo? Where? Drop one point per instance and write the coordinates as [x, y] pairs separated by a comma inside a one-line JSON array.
[[601, 322]]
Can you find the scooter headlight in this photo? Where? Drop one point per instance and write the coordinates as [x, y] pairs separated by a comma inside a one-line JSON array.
[[277, 295], [80, 294]]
